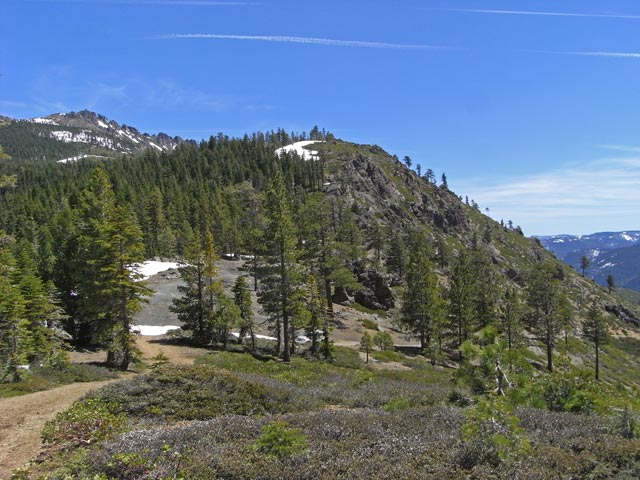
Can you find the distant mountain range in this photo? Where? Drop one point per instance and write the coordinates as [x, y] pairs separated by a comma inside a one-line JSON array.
[[68, 137], [610, 253]]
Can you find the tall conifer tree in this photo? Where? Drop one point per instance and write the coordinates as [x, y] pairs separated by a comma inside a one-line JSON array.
[[282, 255], [422, 307]]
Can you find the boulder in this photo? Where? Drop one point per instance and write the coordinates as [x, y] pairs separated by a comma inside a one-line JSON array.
[[375, 292], [624, 314], [341, 296]]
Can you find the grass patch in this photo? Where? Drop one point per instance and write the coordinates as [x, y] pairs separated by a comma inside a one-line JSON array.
[[388, 356], [39, 379], [369, 324], [371, 311]]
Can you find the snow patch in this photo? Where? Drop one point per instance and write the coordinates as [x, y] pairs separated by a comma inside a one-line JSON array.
[[102, 124], [152, 267], [44, 121], [299, 150], [558, 240], [608, 264], [73, 159], [79, 157], [628, 238], [153, 330], [84, 136], [124, 133], [155, 146]]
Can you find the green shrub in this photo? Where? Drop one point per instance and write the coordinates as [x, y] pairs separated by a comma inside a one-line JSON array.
[[279, 440], [369, 324], [346, 358], [567, 390], [491, 435], [86, 422], [397, 405], [384, 341], [388, 356]]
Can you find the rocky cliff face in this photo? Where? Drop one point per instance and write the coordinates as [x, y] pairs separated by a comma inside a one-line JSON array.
[[383, 189]]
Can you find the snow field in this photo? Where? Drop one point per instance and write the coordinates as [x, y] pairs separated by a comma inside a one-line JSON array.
[[299, 149]]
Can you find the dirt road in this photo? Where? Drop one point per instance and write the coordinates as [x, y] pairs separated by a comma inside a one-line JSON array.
[[22, 418]]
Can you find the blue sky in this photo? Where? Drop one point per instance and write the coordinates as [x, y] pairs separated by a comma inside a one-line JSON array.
[[531, 107]]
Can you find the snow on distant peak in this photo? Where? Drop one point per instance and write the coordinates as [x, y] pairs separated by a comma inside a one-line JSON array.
[[628, 238], [299, 149], [155, 146], [102, 124], [79, 157], [44, 121]]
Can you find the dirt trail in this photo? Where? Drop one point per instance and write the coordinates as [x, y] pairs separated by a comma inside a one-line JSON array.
[[22, 418]]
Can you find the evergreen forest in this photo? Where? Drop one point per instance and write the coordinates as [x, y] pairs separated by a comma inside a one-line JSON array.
[[513, 357]]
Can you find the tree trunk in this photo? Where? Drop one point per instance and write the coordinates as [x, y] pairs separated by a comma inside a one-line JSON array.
[[597, 355], [286, 354], [549, 347], [325, 340]]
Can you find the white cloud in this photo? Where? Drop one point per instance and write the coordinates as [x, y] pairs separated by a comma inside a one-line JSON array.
[[304, 40], [602, 54], [595, 196], [621, 148], [546, 14]]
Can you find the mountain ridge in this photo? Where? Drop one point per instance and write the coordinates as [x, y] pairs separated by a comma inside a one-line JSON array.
[[609, 253], [71, 136]]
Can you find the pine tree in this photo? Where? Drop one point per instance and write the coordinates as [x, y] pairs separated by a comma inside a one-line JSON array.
[[596, 330], [460, 296], [542, 298], [7, 180], [107, 285], [396, 254], [282, 279], [196, 308], [611, 283], [511, 317], [242, 299], [13, 328], [125, 248], [41, 312], [366, 344], [317, 317], [422, 307], [584, 264], [226, 316], [430, 176], [484, 285], [324, 255]]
